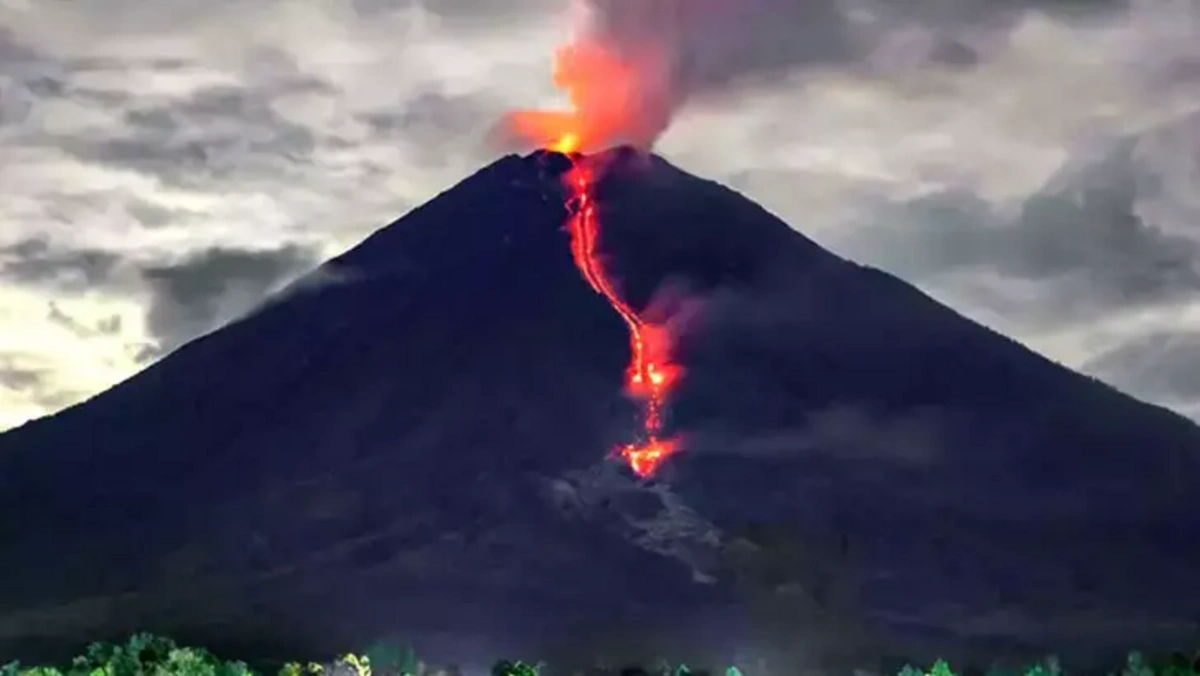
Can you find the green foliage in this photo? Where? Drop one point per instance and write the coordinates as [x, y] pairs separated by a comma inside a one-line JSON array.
[[509, 668], [297, 669], [1180, 664], [141, 655], [1048, 667], [390, 658], [1135, 665], [360, 665], [148, 655]]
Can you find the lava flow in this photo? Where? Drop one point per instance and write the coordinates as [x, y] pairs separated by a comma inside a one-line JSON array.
[[650, 374], [606, 90]]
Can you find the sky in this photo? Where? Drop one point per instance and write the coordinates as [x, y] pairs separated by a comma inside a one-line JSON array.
[[166, 164]]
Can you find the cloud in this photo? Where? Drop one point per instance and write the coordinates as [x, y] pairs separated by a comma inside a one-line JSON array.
[[472, 14], [220, 132], [37, 262], [1160, 367], [19, 378], [34, 381], [1092, 227], [107, 326], [713, 43], [1084, 240], [436, 116], [201, 292], [153, 215]]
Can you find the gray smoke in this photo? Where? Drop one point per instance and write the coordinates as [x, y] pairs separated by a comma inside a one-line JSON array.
[[713, 47]]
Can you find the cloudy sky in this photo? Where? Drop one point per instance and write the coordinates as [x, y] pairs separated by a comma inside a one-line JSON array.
[[166, 163]]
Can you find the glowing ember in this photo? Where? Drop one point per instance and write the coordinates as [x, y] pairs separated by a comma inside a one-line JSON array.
[[644, 460]]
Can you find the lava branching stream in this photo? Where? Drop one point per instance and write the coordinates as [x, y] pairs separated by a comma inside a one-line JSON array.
[[650, 374]]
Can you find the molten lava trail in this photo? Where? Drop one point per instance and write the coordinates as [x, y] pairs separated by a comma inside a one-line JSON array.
[[650, 375]]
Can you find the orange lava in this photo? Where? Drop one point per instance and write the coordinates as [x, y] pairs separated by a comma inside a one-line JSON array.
[[613, 98], [608, 103], [650, 375]]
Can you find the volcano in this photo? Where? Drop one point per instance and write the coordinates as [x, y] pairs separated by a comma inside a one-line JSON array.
[[413, 444]]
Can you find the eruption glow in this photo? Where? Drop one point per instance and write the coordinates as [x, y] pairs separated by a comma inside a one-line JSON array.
[[650, 374], [607, 105], [616, 95]]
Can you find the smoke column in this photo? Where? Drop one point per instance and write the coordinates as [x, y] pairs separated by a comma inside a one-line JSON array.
[[630, 66]]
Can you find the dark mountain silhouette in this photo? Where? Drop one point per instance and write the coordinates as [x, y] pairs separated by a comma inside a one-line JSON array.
[[412, 443]]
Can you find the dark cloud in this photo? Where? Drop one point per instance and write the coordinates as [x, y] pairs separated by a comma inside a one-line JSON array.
[[13, 53], [32, 378], [695, 26], [233, 132], [105, 327], [30, 75], [277, 72], [25, 75], [1092, 227], [131, 17], [955, 53], [57, 316], [110, 326], [431, 121], [1080, 238], [43, 75], [469, 9], [102, 64], [19, 378], [70, 207], [217, 133], [151, 215], [431, 112], [465, 14], [37, 262], [1161, 366], [199, 293]]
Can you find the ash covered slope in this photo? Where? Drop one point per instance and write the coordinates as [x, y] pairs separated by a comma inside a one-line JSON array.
[[417, 448]]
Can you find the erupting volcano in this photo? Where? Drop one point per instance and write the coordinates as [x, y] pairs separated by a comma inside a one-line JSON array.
[[605, 106], [427, 416]]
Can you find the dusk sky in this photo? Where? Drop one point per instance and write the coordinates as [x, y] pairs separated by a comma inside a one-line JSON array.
[[165, 164]]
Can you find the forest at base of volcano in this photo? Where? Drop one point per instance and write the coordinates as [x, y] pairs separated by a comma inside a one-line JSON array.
[[149, 654]]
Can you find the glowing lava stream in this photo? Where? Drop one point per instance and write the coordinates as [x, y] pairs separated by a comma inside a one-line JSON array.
[[607, 94], [650, 375]]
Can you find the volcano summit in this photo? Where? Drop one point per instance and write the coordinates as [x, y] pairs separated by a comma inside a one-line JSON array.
[[420, 450]]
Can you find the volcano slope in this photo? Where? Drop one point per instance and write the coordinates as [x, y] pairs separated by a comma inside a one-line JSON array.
[[415, 448]]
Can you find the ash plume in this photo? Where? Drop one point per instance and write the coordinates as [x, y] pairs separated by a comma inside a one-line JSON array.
[[632, 65]]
